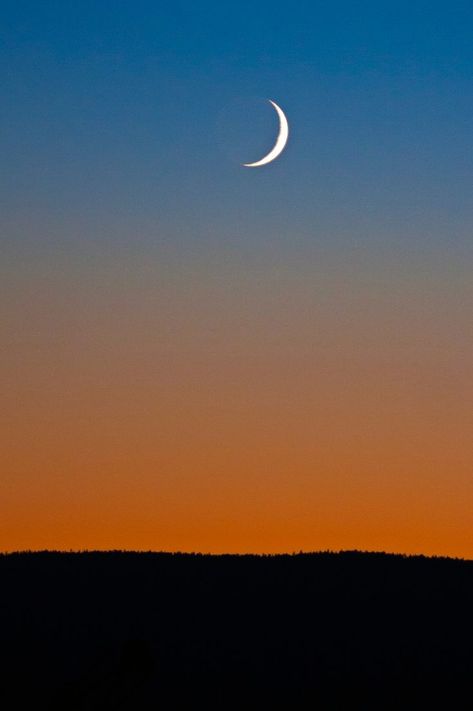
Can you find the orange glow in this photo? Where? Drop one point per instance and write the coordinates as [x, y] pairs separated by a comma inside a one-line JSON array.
[[214, 408]]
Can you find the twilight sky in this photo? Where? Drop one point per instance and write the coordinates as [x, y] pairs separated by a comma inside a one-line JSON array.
[[199, 356]]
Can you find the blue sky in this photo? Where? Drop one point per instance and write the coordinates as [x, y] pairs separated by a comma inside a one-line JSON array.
[[111, 114], [199, 356]]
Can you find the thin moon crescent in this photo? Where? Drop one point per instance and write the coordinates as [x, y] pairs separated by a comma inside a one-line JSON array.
[[280, 141]]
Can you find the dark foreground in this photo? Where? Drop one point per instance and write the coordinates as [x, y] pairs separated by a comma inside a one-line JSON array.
[[103, 631]]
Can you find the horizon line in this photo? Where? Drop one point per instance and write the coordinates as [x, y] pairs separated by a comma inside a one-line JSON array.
[[291, 554]]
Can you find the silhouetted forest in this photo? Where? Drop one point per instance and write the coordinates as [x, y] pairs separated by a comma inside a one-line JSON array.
[[90, 631]]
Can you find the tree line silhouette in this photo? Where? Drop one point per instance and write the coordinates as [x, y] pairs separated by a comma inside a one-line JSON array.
[[331, 631]]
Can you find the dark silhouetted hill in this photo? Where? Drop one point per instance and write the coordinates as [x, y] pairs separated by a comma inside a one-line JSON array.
[[103, 631]]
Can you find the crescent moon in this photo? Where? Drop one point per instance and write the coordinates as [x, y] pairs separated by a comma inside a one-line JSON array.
[[280, 141]]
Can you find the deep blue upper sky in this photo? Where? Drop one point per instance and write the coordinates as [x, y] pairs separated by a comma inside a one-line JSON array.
[[111, 118]]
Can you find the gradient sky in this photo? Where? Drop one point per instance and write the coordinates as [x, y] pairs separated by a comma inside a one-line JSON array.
[[198, 356]]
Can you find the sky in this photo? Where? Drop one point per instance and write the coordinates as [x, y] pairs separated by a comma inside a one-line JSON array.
[[203, 357]]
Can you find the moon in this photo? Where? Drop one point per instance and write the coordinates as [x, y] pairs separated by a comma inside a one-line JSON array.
[[280, 141]]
